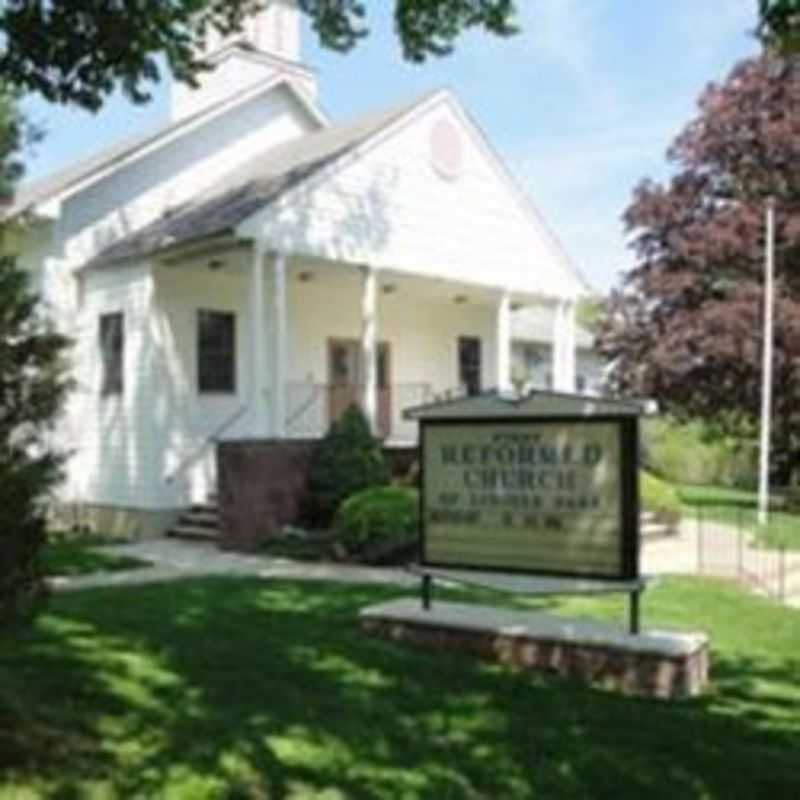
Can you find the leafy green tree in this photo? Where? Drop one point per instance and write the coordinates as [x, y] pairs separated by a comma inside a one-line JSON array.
[[347, 460], [779, 24], [32, 389], [79, 51]]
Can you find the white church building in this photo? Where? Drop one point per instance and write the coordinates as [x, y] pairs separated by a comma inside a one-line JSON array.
[[253, 267]]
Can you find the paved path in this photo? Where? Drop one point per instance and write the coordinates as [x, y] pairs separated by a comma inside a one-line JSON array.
[[677, 555], [173, 559]]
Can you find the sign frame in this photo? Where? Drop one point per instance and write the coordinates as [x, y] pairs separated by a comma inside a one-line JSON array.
[[628, 431]]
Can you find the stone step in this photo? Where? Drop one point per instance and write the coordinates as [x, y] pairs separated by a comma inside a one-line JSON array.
[[204, 508], [202, 519], [181, 531]]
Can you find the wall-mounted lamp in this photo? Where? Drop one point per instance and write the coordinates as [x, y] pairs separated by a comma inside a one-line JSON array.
[[460, 299], [216, 264], [305, 277], [516, 306], [389, 288]]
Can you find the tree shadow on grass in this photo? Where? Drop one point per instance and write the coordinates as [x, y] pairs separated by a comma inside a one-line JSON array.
[[231, 688]]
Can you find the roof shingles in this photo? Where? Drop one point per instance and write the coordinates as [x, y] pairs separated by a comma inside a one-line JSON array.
[[250, 188]]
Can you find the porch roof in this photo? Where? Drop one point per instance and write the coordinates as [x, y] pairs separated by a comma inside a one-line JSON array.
[[495, 405], [251, 187]]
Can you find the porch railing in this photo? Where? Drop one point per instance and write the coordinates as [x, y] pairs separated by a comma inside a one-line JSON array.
[[312, 407]]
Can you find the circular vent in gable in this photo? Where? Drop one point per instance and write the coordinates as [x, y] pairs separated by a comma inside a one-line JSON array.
[[446, 150]]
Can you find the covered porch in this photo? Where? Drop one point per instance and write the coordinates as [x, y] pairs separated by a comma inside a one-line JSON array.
[[330, 334]]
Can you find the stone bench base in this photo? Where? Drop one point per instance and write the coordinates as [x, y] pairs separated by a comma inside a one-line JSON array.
[[659, 664]]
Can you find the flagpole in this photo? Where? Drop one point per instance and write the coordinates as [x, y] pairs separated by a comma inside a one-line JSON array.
[[766, 372]]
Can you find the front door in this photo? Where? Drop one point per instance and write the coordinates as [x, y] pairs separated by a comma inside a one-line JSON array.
[[346, 384]]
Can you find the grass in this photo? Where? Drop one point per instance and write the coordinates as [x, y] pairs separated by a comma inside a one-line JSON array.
[[737, 507], [80, 556], [232, 688]]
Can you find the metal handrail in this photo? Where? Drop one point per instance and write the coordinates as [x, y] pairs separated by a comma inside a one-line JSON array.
[[210, 440], [317, 391]]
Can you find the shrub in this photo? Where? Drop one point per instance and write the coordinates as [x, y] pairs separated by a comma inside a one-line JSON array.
[[659, 496], [692, 453], [378, 524], [347, 460]]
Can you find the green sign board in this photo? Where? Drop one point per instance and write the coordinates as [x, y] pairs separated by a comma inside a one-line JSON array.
[[550, 496]]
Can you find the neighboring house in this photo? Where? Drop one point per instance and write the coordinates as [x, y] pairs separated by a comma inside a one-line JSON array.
[[533, 332], [251, 268]]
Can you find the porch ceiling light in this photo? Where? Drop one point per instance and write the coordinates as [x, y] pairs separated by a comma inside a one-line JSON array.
[[460, 299]]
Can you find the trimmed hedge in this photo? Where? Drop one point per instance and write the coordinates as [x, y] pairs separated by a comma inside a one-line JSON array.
[[658, 496], [379, 524]]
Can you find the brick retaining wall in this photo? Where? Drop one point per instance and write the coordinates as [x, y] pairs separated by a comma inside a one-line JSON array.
[[263, 487], [623, 663]]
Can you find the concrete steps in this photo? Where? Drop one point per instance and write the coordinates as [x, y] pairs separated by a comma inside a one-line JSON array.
[[198, 523]]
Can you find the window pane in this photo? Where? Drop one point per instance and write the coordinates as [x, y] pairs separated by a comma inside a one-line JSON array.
[[112, 347], [216, 352]]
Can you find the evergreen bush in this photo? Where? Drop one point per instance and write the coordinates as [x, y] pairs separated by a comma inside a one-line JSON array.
[[32, 388], [347, 460]]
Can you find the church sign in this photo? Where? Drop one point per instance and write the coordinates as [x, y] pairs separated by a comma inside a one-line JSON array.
[[549, 495]]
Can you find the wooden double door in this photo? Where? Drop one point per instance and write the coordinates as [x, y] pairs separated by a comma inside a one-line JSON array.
[[346, 381]]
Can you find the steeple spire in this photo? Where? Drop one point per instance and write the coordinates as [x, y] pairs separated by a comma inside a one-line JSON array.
[[268, 44]]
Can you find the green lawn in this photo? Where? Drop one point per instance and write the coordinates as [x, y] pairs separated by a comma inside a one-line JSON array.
[[737, 507], [80, 556], [235, 688]]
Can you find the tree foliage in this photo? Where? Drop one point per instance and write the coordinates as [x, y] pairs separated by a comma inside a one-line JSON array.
[[79, 51], [32, 388], [779, 25], [686, 325]]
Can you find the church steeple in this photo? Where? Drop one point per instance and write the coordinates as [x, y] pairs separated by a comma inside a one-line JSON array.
[[268, 44]]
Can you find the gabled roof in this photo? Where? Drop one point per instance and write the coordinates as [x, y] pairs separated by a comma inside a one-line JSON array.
[[63, 181], [253, 186]]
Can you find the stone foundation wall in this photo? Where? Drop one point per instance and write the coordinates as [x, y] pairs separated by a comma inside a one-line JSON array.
[[626, 670], [263, 487], [115, 522]]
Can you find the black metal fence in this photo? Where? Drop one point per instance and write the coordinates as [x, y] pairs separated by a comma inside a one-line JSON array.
[[731, 543]]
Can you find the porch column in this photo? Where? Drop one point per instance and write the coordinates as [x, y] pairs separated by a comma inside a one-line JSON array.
[[557, 349], [564, 347], [569, 346], [503, 343], [369, 346], [258, 340], [280, 339]]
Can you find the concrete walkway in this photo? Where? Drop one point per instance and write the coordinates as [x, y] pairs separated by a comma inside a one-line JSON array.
[[173, 559], [677, 555]]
